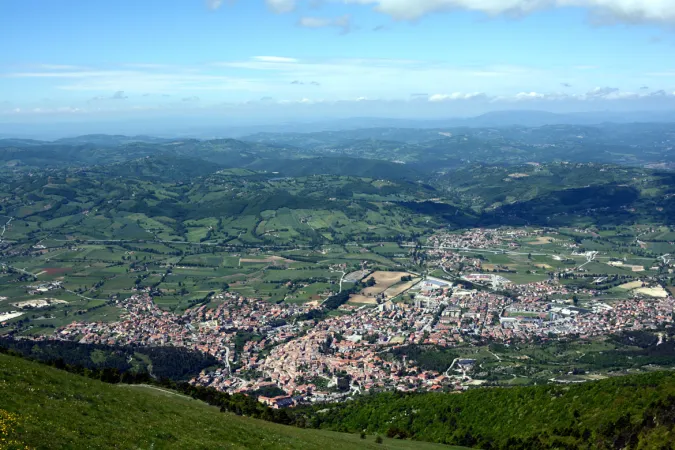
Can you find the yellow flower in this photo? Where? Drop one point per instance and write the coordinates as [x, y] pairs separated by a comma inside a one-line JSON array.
[[8, 424]]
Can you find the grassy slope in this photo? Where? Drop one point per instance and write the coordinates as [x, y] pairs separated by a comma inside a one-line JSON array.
[[60, 410]]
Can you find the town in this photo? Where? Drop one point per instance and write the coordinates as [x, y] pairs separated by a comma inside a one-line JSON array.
[[333, 358], [354, 337]]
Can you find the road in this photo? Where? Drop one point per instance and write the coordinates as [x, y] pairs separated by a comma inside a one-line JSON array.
[[495, 355], [479, 250], [499, 251], [4, 227], [590, 257], [17, 269], [227, 360], [451, 366], [36, 275], [160, 241], [342, 278], [79, 295]]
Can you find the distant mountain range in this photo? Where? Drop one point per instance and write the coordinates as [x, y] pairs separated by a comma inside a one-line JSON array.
[[507, 118], [205, 128]]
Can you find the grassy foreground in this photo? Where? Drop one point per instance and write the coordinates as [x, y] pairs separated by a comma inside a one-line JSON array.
[[42, 407]]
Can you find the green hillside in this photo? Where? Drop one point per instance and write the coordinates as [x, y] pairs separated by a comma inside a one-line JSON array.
[[42, 407], [629, 412]]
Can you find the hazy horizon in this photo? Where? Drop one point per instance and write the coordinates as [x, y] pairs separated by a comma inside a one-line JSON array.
[[204, 127], [269, 61]]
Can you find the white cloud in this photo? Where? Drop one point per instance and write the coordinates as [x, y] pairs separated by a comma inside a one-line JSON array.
[[281, 6], [444, 105], [314, 22], [456, 96], [630, 11], [598, 94], [342, 80], [601, 92], [343, 22], [44, 111], [275, 59], [529, 96], [302, 101]]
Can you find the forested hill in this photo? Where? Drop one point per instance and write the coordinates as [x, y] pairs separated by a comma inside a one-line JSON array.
[[428, 150], [634, 412]]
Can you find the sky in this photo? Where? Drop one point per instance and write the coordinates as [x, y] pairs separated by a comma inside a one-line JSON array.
[[285, 59]]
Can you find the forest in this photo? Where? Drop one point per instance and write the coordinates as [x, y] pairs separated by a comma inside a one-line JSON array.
[[172, 363], [624, 412]]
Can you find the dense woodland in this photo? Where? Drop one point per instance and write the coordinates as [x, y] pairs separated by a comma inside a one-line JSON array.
[[625, 412], [173, 363]]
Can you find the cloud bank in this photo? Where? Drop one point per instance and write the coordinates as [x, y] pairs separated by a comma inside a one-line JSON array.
[[629, 11]]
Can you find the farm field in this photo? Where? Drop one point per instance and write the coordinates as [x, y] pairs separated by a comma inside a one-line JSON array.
[[386, 284], [90, 276], [400, 288], [631, 285]]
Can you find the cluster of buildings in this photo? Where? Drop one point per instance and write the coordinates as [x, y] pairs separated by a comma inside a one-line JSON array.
[[44, 287], [208, 330], [354, 347], [442, 248], [532, 314], [263, 345], [480, 238]]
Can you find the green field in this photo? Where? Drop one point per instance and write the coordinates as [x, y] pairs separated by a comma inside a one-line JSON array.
[[93, 275]]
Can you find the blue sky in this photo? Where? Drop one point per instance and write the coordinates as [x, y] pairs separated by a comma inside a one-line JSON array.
[[279, 58]]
